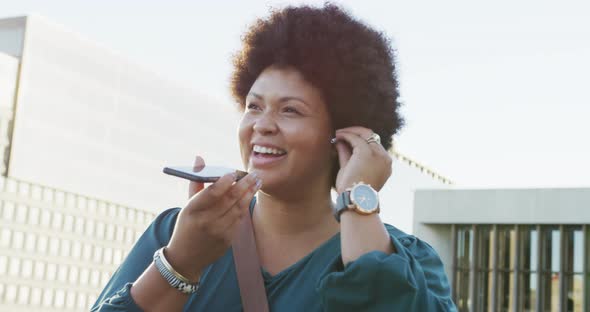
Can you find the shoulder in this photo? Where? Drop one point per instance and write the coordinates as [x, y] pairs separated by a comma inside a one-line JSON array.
[[395, 231], [412, 249], [398, 234], [412, 244]]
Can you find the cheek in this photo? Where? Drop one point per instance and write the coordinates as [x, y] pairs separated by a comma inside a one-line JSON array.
[[244, 133], [311, 140]]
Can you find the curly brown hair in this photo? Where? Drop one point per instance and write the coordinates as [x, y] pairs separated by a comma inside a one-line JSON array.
[[351, 63]]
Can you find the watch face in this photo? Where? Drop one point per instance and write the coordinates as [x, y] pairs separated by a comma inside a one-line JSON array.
[[365, 198]]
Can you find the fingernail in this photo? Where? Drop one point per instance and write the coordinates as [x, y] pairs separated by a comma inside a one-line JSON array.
[[254, 175], [258, 184]]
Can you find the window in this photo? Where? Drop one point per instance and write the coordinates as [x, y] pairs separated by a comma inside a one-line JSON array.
[[550, 263], [36, 294], [23, 295], [484, 267], [528, 273], [505, 278], [463, 260], [573, 270], [521, 267], [586, 253]]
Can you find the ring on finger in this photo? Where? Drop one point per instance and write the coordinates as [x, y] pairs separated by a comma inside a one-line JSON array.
[[374, 138]]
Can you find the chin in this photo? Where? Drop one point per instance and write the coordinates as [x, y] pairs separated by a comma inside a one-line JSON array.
[[275, 183], [270, 178]]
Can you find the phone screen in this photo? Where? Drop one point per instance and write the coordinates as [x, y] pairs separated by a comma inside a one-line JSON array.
[[205, 174]]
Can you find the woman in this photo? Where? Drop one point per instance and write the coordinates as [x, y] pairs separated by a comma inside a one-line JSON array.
[[304, 76]]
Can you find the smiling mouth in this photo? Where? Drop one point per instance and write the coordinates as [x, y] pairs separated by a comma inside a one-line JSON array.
[[266, 156], [262, 155], [267, 151]]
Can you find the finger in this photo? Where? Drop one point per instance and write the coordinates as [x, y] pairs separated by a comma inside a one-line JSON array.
[[362, 131], [344, 153], [244, 212], [353, 139], [195, 187], [236, 193], [216, 191], [244, 202], [238, 211]]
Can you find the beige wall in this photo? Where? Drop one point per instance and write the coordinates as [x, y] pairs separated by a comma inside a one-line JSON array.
[[58, 249], [106, 127], [8, 84]]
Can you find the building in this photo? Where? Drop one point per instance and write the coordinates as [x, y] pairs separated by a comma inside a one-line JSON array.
[[511, 249], [112, 120], [84, 135]]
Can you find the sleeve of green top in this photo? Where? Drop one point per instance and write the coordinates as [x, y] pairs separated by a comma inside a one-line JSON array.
[[413, 279], [116, 295]]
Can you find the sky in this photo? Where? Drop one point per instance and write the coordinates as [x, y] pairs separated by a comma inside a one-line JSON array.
[[495, 94]]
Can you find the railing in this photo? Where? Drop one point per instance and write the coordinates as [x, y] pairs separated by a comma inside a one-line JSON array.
[[420, 167]]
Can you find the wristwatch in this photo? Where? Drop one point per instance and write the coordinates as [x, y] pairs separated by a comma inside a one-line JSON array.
[[360, 198]]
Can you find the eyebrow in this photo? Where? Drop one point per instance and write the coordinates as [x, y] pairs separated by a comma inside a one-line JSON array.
[[282, 99]]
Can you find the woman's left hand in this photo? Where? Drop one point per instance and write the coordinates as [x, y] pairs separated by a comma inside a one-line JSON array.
[[366, 162]]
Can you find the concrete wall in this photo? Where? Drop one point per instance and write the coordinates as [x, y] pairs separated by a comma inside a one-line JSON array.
[[439, 236], [523, 206], [397, 195], [90, 121], [8, 84], [12, 35], [8, 78], [436, 210]]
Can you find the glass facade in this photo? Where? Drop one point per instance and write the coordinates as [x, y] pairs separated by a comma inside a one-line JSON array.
[[505, 267], [574, 269], [483, 269], [528, 275], [550, 268], [521, 267], [463, 262]]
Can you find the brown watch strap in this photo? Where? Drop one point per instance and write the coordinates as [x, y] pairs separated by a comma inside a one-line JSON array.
[[247, 264]]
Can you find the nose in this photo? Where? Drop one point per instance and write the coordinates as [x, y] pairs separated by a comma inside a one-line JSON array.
[[265, 124]]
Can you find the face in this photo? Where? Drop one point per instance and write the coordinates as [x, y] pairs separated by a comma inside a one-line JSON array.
[[285, 131]]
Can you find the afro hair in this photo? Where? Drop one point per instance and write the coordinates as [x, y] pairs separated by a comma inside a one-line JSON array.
[[348, 61]]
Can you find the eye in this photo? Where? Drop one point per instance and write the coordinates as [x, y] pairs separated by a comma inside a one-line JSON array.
[[251, 106], [289, 109]]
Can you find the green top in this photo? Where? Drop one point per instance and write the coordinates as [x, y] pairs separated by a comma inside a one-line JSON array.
[[413, 279]]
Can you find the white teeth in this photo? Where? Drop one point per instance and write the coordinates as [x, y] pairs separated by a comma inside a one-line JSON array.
[[267, 150]]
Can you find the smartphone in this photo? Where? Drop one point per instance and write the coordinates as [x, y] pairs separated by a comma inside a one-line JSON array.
[[203, 174]]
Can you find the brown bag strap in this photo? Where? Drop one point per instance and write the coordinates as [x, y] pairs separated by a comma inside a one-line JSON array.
[[247, 265]]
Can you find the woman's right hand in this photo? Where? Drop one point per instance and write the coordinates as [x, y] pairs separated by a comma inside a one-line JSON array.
[[206, 226]]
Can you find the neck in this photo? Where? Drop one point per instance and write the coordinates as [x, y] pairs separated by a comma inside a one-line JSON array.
[[306, 216]]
